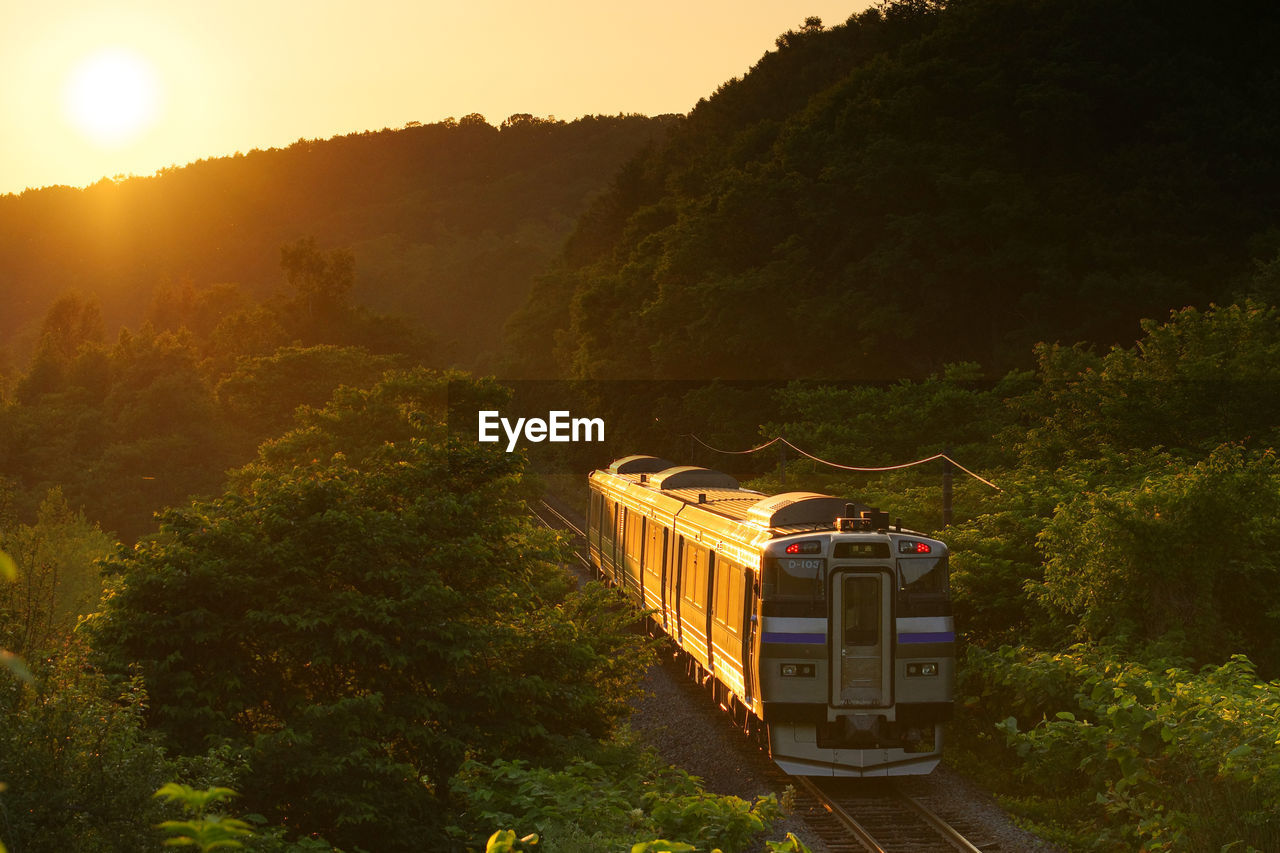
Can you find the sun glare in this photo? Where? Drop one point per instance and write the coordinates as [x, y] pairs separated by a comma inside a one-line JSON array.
[[111, 96]]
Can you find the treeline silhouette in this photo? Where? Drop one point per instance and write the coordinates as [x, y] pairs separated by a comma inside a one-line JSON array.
[[931, 182], [121, 427], [448, 223]]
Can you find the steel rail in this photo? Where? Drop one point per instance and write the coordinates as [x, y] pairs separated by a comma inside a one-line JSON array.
[[946, 830], [946, 833], [857, 830], [560, 518]]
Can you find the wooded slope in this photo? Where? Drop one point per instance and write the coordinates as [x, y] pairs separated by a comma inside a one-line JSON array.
[[448, 222], [930, 183]]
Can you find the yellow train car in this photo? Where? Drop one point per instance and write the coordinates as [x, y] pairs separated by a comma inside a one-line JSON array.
[[811, 617]]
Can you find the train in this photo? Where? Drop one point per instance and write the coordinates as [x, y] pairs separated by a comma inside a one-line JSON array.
[[816, 623]]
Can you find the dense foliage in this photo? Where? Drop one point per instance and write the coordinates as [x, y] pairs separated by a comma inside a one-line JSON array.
[[1160, 757], [361, 612], [930, 183], [602, 803], [77, 767], [125, 429]]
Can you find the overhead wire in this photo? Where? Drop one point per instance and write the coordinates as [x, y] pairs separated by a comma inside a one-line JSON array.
[[856, 468]]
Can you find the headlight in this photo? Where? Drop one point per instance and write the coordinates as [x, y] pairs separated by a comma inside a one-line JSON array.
[[797, 670], [922, 670]]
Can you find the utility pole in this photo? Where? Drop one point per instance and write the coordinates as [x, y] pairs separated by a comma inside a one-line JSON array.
[[782, 463], [946, 486]]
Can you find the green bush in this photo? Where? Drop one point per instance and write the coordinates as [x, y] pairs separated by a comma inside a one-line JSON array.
[[1184, 556], [360, 612], [1176, 760], [78, 769], [605, 803]]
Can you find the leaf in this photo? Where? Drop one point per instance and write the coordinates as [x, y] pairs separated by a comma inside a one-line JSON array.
[[8, 568], [504, 841]]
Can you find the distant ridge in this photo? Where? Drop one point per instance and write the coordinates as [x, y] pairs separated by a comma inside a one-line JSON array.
[[449, 222]]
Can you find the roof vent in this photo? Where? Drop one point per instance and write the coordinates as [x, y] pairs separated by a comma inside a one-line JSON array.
[[855, 521]]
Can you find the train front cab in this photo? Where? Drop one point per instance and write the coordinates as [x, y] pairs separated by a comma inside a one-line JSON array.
[[869, 697]]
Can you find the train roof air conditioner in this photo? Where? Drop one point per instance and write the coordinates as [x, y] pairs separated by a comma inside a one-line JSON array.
[[692, 477], [793, 508]]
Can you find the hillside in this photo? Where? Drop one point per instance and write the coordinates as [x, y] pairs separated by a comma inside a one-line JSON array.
[[928, 183], [448, 223]]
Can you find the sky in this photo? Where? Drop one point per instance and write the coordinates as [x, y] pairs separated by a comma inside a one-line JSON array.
[[102, 89]]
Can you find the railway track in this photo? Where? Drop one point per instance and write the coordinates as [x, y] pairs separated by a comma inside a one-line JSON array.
[[874, 815], [558, 519], [848, 814]]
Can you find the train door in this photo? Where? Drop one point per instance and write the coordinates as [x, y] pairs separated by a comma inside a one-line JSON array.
[[862, 639], [676, 580], [663, 584], [751, 636], [608, 527], [593, 526], [642, 538], [695, 606], [618, 557], [601, 532], [707, 593]]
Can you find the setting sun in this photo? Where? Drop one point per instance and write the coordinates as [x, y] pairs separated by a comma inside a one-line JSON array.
[[111, 96]]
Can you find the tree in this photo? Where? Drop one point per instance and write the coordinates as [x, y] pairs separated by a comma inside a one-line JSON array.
[[321, 281], [1183, 557], [71, 334], [79, 771], [361, 610], [57, 577], [262, 393]]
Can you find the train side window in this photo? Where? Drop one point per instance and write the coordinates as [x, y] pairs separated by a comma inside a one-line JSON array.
[[694, 575], [634, 539], [593, 521], [653, 547], [730, 580]]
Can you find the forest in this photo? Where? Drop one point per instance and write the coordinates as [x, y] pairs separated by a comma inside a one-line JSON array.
[[249, 542], [928, 186]]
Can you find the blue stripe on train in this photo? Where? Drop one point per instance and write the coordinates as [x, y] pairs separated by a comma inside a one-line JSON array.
[[796, 639], [932, 637]]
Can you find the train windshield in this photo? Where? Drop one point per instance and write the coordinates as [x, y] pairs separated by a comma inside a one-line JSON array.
[[795, 586], [927, 594]]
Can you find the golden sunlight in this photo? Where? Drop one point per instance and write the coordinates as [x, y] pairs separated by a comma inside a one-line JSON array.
[[111, 96]]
